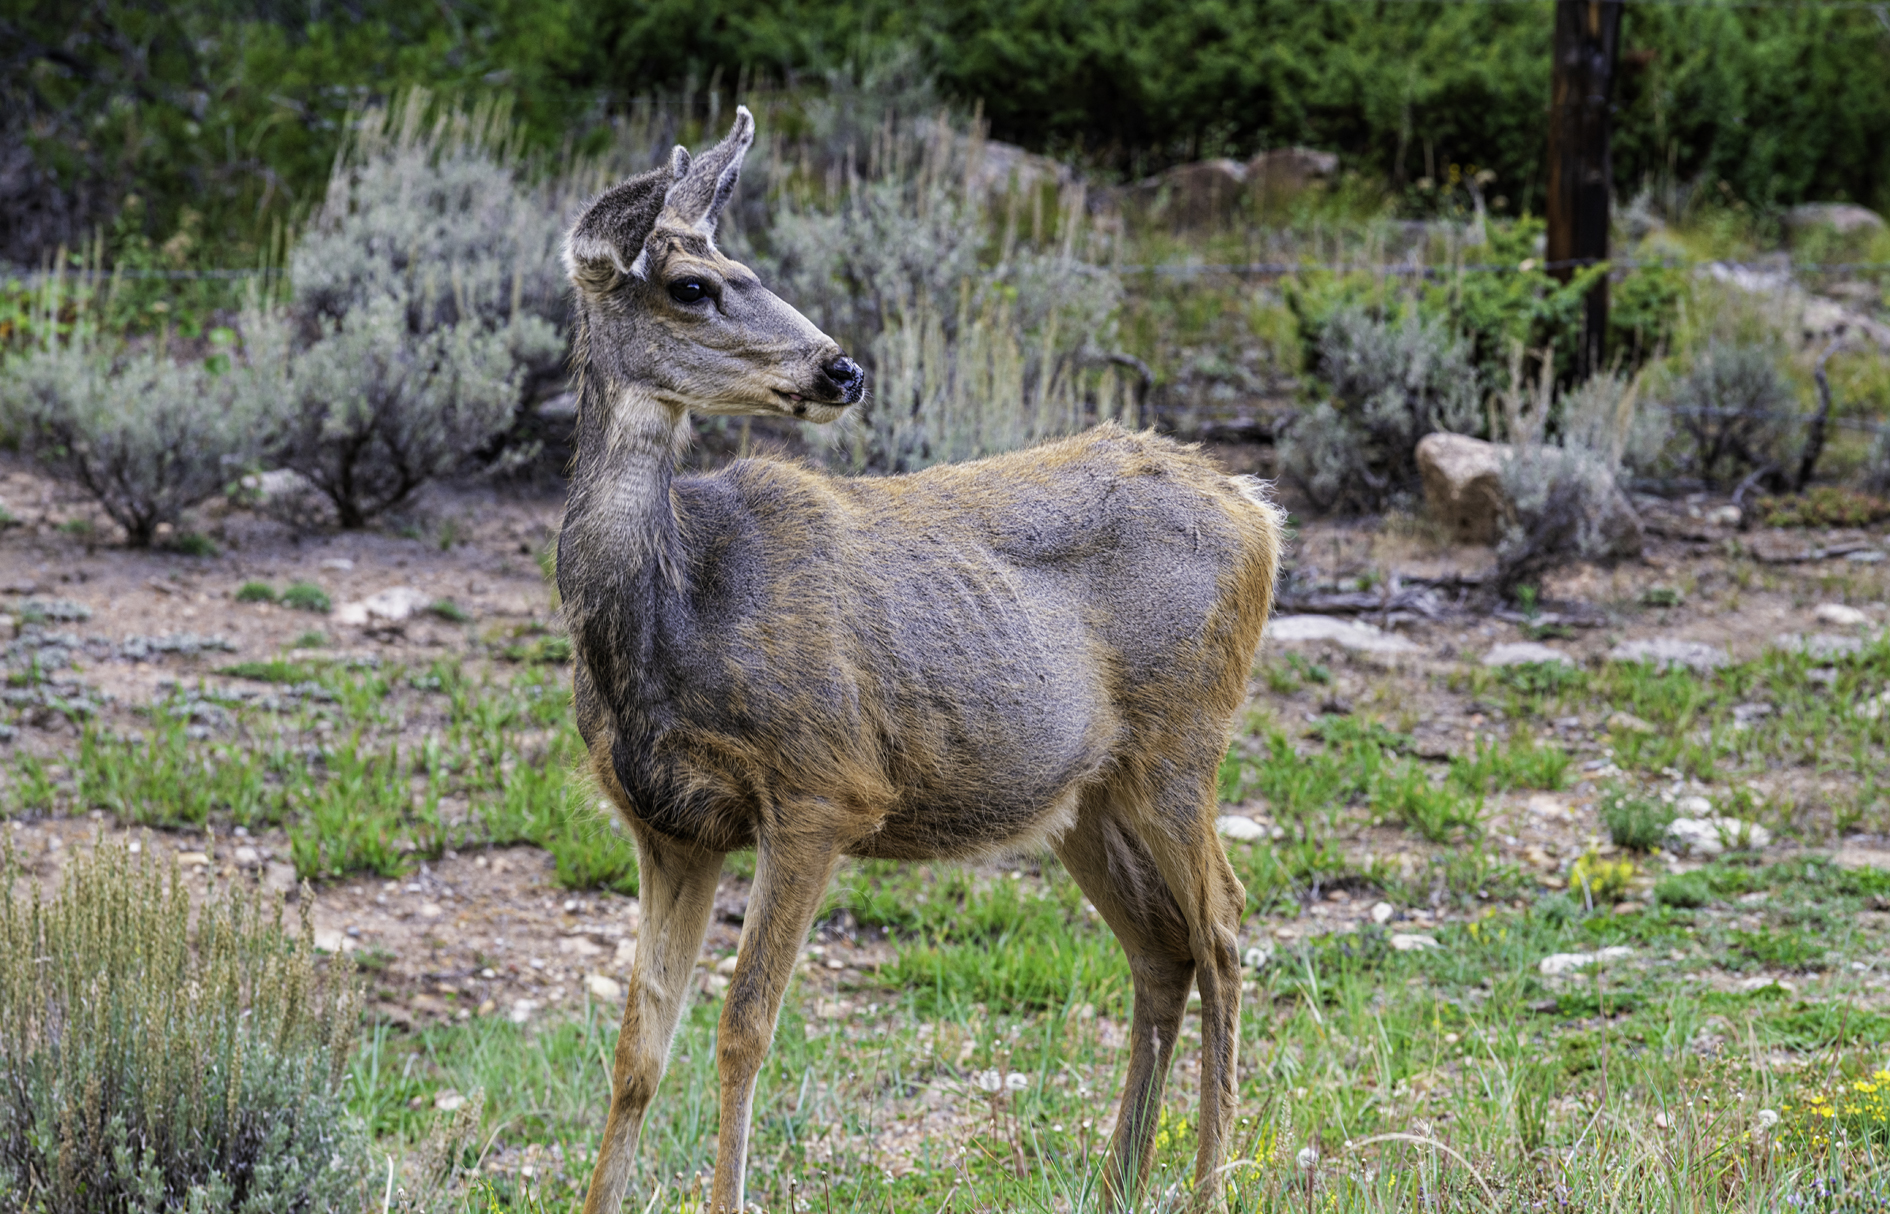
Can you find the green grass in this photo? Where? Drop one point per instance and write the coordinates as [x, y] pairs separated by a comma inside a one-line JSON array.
[[1548, 1090], [307, 596], [256, 592], [275, 670]]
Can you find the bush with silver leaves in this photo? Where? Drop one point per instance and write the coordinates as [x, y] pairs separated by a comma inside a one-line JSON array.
[[147, 435], [1391, 382]]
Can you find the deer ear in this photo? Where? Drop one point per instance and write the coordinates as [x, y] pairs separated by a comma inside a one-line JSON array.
[[605, 245], [700, 193]]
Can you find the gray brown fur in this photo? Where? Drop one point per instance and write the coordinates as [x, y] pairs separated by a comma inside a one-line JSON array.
[[1044, 647]]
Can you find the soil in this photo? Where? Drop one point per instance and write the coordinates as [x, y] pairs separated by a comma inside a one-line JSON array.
[[492, 934]]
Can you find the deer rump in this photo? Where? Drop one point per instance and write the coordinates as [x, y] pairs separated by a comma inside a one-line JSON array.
[[949, 656]]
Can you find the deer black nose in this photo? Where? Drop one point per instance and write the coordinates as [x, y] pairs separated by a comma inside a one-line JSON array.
[[847, 378]]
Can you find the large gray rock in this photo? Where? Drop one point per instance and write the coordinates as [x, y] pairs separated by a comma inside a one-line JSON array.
[[1463, 485], [1284, 171], [1844, 216]]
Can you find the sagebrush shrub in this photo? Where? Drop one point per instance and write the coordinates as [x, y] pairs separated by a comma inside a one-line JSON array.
[[156, 1061], [146, 435], [372, 410], [433, 208], [1738, 413], [969, 350], [1564, 496], [1391, 382]]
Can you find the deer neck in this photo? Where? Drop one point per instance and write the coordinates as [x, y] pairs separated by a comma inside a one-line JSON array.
[[620, 532]]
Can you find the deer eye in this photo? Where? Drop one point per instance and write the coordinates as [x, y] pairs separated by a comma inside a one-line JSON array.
[[687, 290]]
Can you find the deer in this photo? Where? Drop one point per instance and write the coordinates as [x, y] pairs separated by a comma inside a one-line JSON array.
[[1043, 648]]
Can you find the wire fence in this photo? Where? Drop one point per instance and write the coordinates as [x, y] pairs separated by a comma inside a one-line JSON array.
[[1259, 269]]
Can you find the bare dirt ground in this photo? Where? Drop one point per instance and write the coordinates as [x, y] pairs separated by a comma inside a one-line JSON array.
[[491, 933]]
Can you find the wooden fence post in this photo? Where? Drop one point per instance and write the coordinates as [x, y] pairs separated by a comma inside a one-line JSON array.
[[1581, 176]]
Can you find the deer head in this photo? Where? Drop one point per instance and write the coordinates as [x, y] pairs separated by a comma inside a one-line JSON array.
[[661, 308]]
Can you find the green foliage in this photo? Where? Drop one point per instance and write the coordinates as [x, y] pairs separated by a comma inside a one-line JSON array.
[[1824, 506], [274, 670], [228, 118], [307, 596], [155, 1065], [1634, 821], [256, 592]]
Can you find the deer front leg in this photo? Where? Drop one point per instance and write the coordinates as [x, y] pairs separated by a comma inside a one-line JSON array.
[[676, 893], [791, 876]]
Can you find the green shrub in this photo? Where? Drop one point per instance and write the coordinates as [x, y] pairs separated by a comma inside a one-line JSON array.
[[307, 596], [1688, 891], [156, 1064], [1634, 821], [256, 592]]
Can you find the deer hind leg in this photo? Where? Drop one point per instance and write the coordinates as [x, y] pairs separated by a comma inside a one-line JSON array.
[[1187, 850], [793, 867], [677, 893], [1118, 872]]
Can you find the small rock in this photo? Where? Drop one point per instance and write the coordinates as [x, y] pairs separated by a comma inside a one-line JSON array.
[[579, 946], [1840, 615], [1725, 516], [1873, 708], [1628, 908], [1866, 556], [1383, 913], [1347, 634], [446, 1100], [431, 910], [1411, 942], [727, 965], [279, 877], [339, 564], [1760, 981], [1671, 651], [246, 856], [522, 1010], [603, 988], [1463, 485], [331, 941], [828, 1009], [1627, 722], [1239, 828], [1556, 964], [391, 606], [193, 858], [1712, 836], [1693, 807], [486, 1008], [626, 953], [1525, 653]]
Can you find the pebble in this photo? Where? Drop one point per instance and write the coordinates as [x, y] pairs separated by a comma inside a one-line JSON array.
[[1627, 722], [1239, 828], [1411, 942], [446, 1100], [522, 1010], [1383, 913], [1840, 615], [246, 856], [603, 988]]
